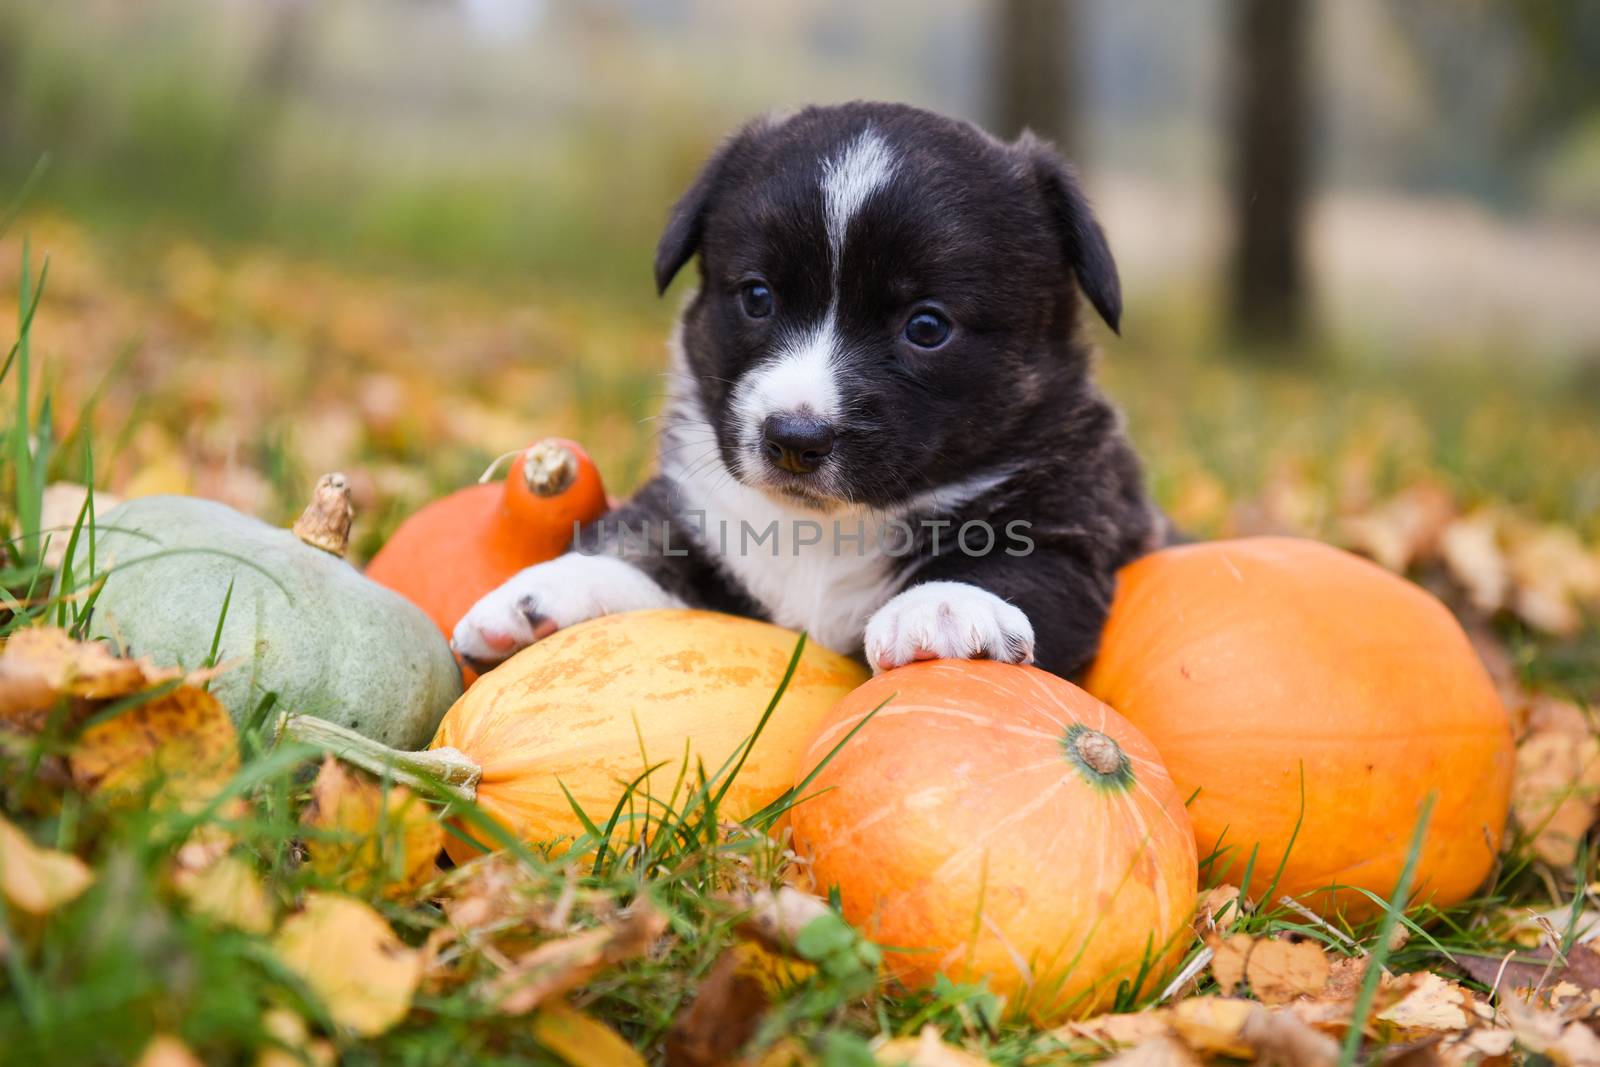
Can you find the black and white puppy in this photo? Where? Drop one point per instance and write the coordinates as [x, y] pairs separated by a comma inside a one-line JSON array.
[[881, 428]]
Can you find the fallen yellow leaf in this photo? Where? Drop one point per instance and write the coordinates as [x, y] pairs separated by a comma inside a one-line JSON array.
[[581, 1040], [927, 1049], [227, 891], [349, 957], [38, 880], [182, 745], [372, 835], [165, 1050], [1162, 1051], [41, 666], [293, 1045]]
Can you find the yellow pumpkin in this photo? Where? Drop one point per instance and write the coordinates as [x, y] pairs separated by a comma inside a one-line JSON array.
[[592, 706], [589, 709]]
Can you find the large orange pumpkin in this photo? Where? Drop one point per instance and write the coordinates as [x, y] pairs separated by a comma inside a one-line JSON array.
[[1253, 662], [446, 556], [995, 822]]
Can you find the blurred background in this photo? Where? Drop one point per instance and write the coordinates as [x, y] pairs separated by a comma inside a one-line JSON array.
[[1360, 240]]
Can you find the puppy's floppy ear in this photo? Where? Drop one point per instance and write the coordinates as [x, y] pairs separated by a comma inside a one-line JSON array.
[[1081, 237], [681, 239]]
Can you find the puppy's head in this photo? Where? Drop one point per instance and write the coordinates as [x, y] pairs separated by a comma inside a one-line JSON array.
[[888, 300]]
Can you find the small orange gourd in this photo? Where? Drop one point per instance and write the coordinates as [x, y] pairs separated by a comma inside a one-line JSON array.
[[1252, 662], [994, 822], [453, 551]]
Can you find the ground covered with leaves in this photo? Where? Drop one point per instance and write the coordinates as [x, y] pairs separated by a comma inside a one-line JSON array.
[[177, 889]]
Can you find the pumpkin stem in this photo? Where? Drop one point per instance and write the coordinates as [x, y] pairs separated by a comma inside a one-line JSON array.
[[550, 468], [426, 771], [325, 523], [1098, 757]]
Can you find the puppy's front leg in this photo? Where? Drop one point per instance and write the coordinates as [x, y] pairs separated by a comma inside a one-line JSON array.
[[538, 601], [947, 620], [1047, 609], [613, 573]]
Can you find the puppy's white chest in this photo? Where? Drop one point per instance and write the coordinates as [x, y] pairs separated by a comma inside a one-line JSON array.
[[819, 573]]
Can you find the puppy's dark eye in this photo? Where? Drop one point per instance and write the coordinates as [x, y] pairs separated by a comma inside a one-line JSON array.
[[756, 299], [928, 329]]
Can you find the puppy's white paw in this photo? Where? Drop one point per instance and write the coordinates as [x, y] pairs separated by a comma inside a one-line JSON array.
[[947, 620], [535, 603]]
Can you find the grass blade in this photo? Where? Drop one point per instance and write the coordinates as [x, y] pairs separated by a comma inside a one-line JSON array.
[[1380, 949]]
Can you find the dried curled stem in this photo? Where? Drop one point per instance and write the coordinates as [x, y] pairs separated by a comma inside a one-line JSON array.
[[550, 468], [325, 523]]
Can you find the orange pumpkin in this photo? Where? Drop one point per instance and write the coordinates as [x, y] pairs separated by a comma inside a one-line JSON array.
[[994, 821], [456, 549], [1251, 662]]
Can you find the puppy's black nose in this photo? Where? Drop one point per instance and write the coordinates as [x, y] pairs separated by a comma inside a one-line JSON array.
[[797, 443]]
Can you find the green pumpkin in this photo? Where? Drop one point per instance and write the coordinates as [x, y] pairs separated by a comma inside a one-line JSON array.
[[301, 622]]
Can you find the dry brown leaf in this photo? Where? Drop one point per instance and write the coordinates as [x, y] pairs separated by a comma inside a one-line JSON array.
[[1280, 970], [182, 745], [41, 666], [294, 1046], [1567, 1044], [1428, 1004], [1163, 1050], [581, 1040], [1281, 1037], [776, 917], [59, 508], [1471, 551], [227, 891], [349, 957], [1244, 1029], [1228, 956], [1553, 793], [1403, 529], [372, 835], [729, 1004], [1344, 977], [927, 1049], [1480, 1046], [728, 1007], [498, 892], [1118, 1030], [1214, 1025], [165, 1050], [1217, 905], [38, 880], [558, 966], [1553, 574]]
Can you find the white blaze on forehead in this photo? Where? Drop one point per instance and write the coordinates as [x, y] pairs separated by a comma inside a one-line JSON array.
[[800, 378], [865, 166], [801, 375]]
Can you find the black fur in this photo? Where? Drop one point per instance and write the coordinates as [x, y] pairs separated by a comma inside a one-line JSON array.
[[1000, 237]]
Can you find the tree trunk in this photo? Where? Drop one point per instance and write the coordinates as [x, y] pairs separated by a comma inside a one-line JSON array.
[[1270, 136], [1031, 79]]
